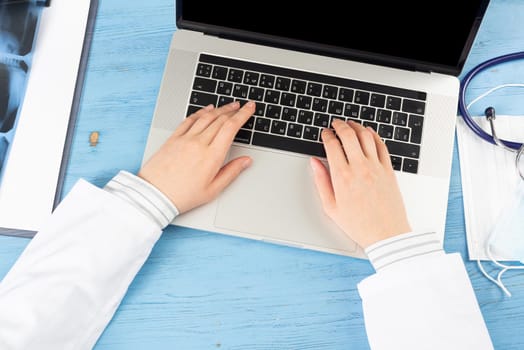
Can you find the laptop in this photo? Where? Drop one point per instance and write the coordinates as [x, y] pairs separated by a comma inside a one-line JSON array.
[[388, 65]]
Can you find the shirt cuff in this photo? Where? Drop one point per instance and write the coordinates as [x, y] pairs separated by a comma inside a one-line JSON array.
[[144, 196], [402, 247]]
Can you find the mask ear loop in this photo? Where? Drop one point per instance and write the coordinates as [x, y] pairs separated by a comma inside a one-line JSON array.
[[517, 162], [504, 267]]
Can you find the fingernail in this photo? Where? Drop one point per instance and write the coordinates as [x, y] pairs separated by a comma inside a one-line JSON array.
[[235, 104], [209, 107], [250, 104], [246, 163]]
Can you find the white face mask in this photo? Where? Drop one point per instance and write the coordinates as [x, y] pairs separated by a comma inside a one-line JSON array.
[[507, 238], [508, 235]]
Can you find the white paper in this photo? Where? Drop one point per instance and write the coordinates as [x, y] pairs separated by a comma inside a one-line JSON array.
[[31, 173], [489, 178]]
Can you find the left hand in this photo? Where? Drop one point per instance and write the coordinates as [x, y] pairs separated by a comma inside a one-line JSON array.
[[188, 167]]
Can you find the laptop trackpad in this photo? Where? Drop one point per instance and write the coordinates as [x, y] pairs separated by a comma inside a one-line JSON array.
[[275, 199]]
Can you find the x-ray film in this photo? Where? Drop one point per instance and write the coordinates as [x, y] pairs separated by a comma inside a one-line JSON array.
[[18, 27]]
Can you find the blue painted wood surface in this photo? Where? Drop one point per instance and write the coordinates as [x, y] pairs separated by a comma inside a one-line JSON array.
[[201, 290]]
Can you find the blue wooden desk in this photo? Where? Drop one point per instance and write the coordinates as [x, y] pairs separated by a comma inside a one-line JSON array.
[[200, 290]]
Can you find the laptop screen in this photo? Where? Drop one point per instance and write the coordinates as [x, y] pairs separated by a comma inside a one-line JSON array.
[[391, 32]]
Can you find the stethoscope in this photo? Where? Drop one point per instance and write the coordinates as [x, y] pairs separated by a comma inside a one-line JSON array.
[[511, 146]]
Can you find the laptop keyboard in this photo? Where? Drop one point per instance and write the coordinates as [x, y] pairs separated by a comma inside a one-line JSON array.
[[293, 106]]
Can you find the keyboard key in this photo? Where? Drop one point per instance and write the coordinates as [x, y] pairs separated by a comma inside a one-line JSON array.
[[203, 84], [289, 114], [192, 109], [403, 149], [219, 73], [273, 111], [288, 144], [243, 136], [256, 93], [336, 107], [415, 123], [372, 125], [385, 131], [251, 78], [345, 95], [224, 88], [367, 113], [321, 120], [351, 110], [235, 75], [319, 105], [396, 162], [298, 86], [223, 100], [262, 124], [267, 81], [400, 118], [333, 117], [203, 99], [294, 130], [204, 70], [362, 97], [283, 84], [401, 134], [249, 124], [240, 91], [377, 100], [311, 133], [278, 127], [272, 96], [384, 116], [260, 109], [288, 99], [314, 89], [304, 102], [330, 92], [393, 103], [305, 117], [412, 106], [410, 165], [241, 101]]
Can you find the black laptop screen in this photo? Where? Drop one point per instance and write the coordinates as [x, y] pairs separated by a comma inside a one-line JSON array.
[[413, 30]]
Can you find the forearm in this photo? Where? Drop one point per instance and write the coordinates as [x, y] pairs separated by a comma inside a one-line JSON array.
[[67, 284], [420, 297]]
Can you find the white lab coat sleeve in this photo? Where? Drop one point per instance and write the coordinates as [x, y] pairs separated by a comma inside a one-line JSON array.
[[420, 298], [69, 281]]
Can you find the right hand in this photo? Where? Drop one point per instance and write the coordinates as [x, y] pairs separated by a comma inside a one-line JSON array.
[[189, 168], [361, 194]]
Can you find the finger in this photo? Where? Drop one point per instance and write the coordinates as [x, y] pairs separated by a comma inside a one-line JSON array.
[[382, 150], [206, 119], [366, 140], [349, 141], [334, 152], [213, 129], [324, 185], [190, 120], [229, 129], [228, 173]]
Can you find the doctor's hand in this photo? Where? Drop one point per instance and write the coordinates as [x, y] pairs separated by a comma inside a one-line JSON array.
[[189, 168], [360, 192]]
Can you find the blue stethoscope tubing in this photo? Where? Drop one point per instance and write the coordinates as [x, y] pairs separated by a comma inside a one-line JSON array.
[[462, 97]]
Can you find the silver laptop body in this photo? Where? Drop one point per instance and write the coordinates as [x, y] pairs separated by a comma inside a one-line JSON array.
[[275, 200]]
